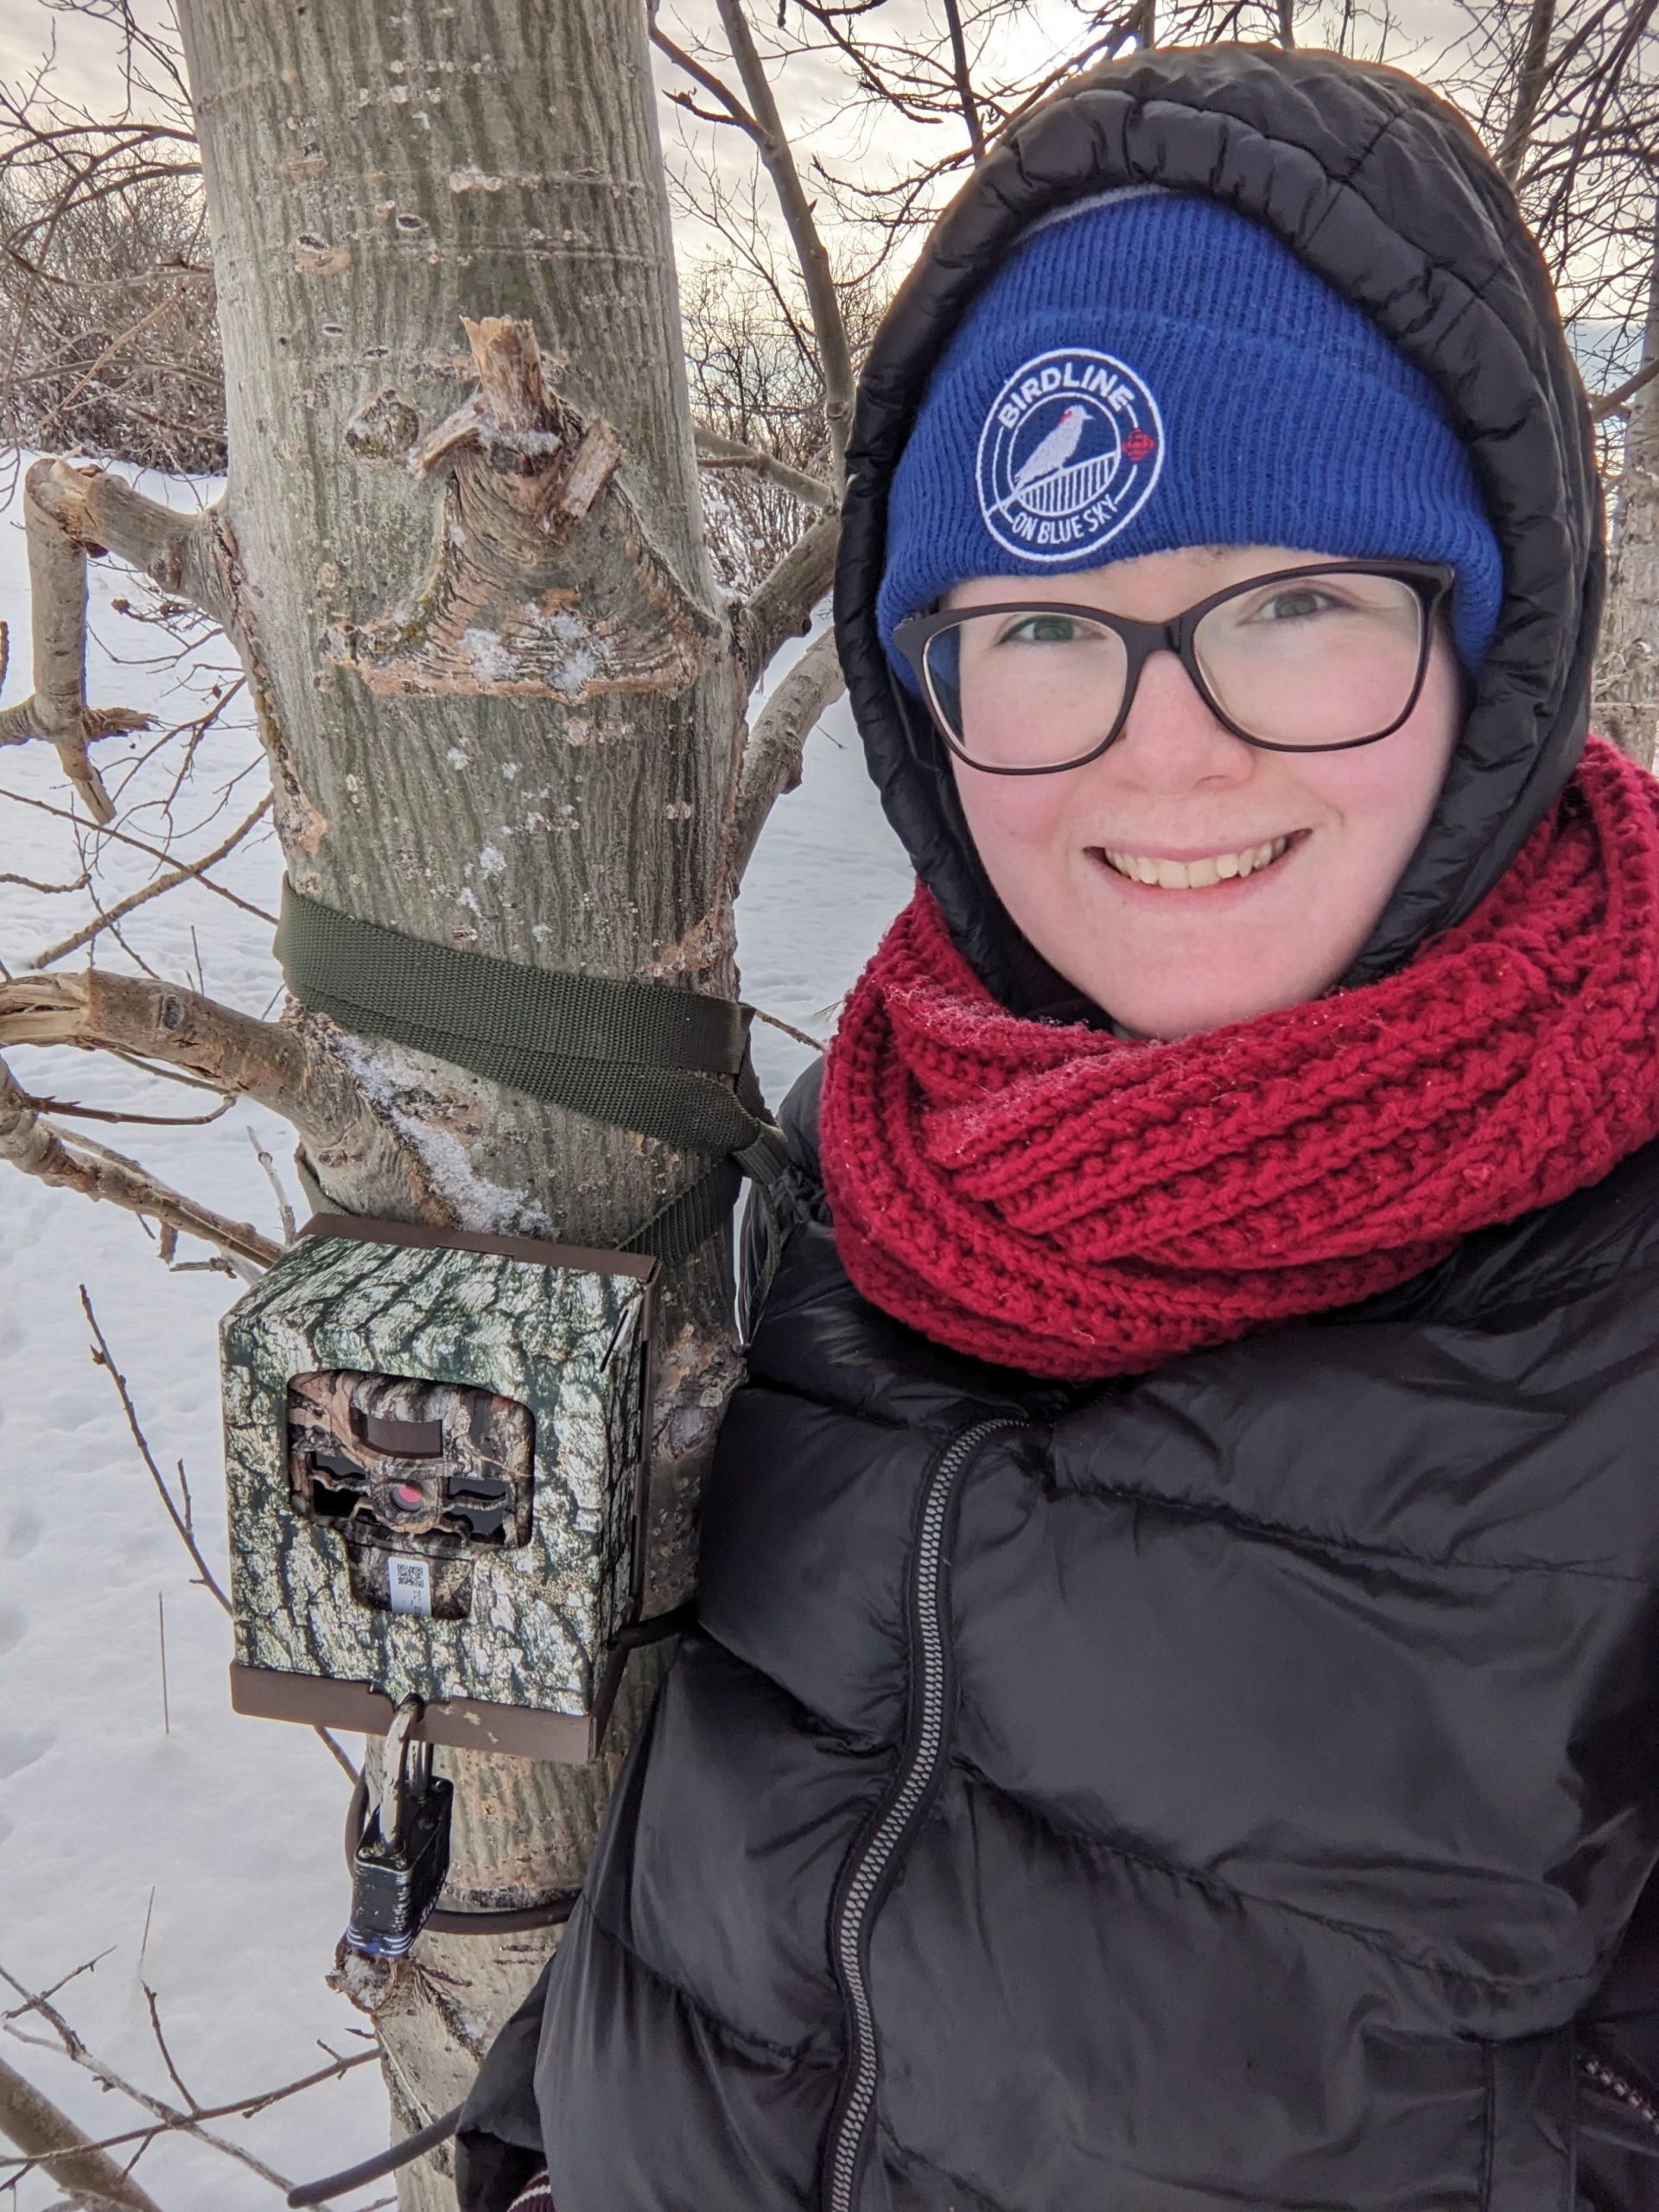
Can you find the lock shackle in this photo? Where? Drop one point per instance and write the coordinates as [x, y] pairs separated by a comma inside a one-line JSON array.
[[402, 1779]]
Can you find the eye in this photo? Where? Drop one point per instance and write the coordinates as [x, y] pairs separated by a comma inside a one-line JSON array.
[[1045, 628], [1294, 603]]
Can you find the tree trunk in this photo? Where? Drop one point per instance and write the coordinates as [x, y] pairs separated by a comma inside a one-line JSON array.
[[1627, 665], [494, 681]]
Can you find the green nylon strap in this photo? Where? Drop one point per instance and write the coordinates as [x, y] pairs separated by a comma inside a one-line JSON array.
[[638, 1056]]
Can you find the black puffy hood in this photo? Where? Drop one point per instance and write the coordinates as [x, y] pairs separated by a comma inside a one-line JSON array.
[[1382, 189]]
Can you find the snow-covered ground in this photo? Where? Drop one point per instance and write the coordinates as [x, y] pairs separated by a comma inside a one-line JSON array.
[[187, 1851]]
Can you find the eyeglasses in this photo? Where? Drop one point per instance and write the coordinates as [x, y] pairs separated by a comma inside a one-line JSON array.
[[1311, 659]]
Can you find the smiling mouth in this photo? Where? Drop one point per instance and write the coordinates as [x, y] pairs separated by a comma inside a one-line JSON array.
[[1199, 875]]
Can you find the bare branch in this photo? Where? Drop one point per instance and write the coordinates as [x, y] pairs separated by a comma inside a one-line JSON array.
[[180, 1517], [57, 710], [191, 556], [801, 1037], [1528, 89], [1614, 402], [234, 1052], [187, 872], [783, 605], [49, 2140], [38, 1149], [772, 758], [285, 1212], [716, 451], [72, 1109], [964, 79], [168, 2120], [835, 356], [69, 516], [732, 108], [138, 844], [173, 2075], [116, 345]]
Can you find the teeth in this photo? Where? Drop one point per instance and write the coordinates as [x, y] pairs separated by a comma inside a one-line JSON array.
[[1197, 875]]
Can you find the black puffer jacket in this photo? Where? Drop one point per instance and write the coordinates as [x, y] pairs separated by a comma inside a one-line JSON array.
[[1238, 1786]]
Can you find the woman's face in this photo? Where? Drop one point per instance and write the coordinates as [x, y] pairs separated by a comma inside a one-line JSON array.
[[1166, 959]]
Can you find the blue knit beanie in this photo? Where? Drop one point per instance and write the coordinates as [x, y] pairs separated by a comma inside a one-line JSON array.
[[1147, 371]]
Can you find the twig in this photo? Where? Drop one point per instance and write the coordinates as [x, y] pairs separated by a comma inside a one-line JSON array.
[[1612, 403], [67, 1160], [75, 1111], [191, 2102], [186, 871], [290, 1227], [102, 1357], [138, 844], [341, 1759], [169, 2118], [834, 355], [124, 338], [182, 1519], [50, 890], [86, 1966], [963, 76], [789, 1029]]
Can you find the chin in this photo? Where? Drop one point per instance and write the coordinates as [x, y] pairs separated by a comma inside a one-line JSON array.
[[1211, 1002]]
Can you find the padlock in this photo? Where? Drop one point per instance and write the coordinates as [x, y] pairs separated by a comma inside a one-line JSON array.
[[399, 1865]]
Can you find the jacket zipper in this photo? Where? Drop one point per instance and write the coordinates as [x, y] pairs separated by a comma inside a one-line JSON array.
[[912, 1785], [1607, 2077]]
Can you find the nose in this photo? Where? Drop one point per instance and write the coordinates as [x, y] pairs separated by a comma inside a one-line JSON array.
[[1170, 742]]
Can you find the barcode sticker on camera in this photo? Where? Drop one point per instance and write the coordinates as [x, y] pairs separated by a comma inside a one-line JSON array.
[[410, 1583]]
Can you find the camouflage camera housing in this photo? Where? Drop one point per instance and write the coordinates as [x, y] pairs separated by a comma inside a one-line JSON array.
[[436, 1456]]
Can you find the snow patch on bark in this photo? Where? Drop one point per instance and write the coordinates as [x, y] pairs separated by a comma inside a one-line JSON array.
[[492, 662], [584, 657], [393, 1077]]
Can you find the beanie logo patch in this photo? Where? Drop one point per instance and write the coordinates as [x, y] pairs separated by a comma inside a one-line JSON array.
[[1069, 452]]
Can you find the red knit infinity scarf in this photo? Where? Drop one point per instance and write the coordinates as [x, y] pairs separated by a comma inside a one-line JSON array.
[[1074, 1205]]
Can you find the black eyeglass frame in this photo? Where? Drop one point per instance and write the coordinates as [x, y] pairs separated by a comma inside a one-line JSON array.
[[1432, 580]]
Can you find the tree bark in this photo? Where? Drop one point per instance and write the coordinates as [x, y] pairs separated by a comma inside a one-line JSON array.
[[1627, 665], [494, 681]]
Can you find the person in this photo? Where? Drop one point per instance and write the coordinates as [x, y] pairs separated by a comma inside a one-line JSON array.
[[1172, 1712]]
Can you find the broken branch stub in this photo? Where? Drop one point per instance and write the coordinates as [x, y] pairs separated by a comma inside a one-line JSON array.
[[56, 711], [73, 514], [544, 582]]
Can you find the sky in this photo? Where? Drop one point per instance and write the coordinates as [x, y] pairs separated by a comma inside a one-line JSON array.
[[810, 87]]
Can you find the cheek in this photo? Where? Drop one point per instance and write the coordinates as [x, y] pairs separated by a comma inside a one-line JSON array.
[[1384, 794], [1012, 817]]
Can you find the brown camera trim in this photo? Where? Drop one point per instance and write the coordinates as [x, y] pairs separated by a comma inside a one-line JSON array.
[[365, 1229], [467, 1724], [643, 1267]]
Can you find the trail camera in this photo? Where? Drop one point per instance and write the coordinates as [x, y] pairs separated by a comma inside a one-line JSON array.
[[437, 1450]]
